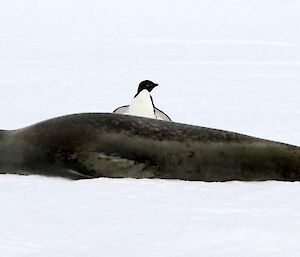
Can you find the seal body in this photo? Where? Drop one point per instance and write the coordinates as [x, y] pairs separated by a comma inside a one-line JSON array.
[[113, 145]]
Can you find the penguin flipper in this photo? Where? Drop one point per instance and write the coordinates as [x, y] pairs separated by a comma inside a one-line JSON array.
[[157, 112], [161, 115], [122, 110]]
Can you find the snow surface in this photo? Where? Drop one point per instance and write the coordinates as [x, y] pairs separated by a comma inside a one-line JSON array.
[[124, 217], [231, 65]]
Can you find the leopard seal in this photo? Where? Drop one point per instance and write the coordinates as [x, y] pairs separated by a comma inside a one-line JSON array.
[[92, 145]]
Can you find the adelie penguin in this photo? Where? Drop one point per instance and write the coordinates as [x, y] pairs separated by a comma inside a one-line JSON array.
[[142, 104]]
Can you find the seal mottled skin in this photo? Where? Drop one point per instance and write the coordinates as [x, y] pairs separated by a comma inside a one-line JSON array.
[[114, 145]]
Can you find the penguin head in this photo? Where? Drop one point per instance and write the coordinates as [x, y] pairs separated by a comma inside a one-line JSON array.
[[146, 84]]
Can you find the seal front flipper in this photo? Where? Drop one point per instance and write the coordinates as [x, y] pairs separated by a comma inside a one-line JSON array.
[[103, 165], [73, 174]]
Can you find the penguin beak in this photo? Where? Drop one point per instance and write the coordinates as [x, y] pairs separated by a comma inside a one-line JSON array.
[[155, 85]]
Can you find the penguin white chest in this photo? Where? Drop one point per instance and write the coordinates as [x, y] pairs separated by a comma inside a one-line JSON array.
[[142, 105]]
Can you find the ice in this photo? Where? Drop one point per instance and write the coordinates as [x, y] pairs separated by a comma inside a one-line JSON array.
[[127, 217]]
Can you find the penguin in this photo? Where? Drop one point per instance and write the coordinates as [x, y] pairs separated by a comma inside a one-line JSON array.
[[142, 104]]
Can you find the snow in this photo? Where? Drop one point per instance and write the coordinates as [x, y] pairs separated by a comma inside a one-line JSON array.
[[231, 65], [124, 217]]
